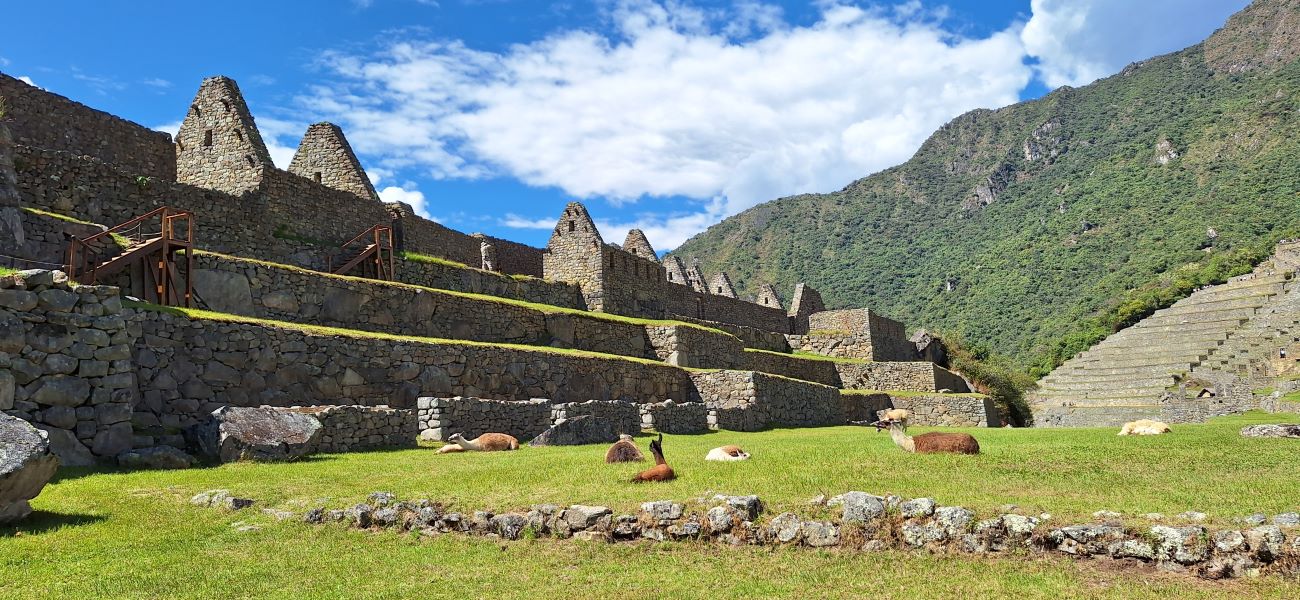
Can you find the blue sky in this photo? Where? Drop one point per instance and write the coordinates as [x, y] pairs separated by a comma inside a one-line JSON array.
[[489, 115]]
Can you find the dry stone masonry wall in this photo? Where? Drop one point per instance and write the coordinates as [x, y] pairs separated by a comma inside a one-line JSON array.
[[912, 376], [439, 418], [852, 521], [324, 156], [676, 417], [45, 120], [355, 428], [624, 416], [751, 401], [65, 364]]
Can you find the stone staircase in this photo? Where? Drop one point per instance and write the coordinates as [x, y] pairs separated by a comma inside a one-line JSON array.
[[1125, 376], [1247, 353]]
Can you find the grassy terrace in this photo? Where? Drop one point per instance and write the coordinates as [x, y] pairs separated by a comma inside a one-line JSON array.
[[543, 308], [207, 315], [107, 533], [913, 393], [119, 239]]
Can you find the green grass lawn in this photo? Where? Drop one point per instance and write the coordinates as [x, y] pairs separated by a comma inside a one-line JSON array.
[[107, 533]]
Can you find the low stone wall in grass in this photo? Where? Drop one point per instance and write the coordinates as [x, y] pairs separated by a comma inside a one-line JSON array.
[[854, 521], [354, 428], [625, 416], [677, 417], [864, 405], [65, 364], [440, 418], [750, 401]]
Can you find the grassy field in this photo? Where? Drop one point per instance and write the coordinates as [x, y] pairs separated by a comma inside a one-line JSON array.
[[106, 533]]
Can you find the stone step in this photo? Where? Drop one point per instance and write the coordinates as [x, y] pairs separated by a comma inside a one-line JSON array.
[[1271, 284], [1223, 326], [1200, 346], [1136, 384], [1252, 301], [1151, 370], [1141, 360], [1198, 316]]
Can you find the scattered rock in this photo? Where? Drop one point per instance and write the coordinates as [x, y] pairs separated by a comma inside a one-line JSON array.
[[920, 507], [26, 465], [577, 431], [1289, 519], [1288, 430], [381, 499], [236, 433], [861, 507], [1255, 519], [786, 527], [157, 457], [1106, 515], [749, 506], [662, 512], [820, 534], [579, 517], [1192, 515]]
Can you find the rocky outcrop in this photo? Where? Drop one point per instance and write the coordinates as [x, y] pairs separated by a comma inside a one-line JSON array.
[[26, 464], [1272, 431], [585, 429], [261, 434]]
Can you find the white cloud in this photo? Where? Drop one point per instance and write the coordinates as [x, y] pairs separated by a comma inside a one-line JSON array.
[[157, 82], [409, 195], [172, 128], [281, 138], [676, 101], [1079, 41], [27, 80], [515, 221], [665, 232]]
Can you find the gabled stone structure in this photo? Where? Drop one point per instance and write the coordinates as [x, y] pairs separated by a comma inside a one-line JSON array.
[[324, 156], [767, 296], [676, 270], [721, 286], [218, 146], [638, 244], [696, 278], [805, 302]]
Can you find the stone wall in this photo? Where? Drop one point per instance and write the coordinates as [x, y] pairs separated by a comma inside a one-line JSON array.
[[420, 235], [475, 281], [515, 258], [948, 410], [912, 376], [857, 333], [863, 405], [253, 288], [750, 401], [298, 206], [751, 337], [357, 428], [625, 416], [218, 146], [41, 119], [675, 417], [856, 521], [471, 417], [65, 364], [45, 242], [689, 346], [187, 368], [792, 366]]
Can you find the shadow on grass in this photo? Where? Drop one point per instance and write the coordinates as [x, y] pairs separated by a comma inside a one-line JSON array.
[[42, 521], [74, 473]]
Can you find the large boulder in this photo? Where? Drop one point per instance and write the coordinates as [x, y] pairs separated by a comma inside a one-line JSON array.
[[585, 429], [26, 464], [237, 433], [1286, 430]]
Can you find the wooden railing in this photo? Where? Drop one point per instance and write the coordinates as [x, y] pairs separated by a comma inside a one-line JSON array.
[[374, 254], [89, 259]]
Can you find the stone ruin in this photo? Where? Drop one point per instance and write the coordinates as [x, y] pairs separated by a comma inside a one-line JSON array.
[[442, 347]]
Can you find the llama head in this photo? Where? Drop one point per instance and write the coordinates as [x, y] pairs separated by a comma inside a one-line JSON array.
[[456, 438]]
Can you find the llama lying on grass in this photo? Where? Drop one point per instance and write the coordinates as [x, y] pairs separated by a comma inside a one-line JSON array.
[[661, 471], [624, 450], [1144, 427], [727, 454], [488, 442], [927, 443]]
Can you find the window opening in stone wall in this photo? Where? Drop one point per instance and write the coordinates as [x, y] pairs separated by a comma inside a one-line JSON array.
[[572, 226], [239, 135], [719, 289], [249, 158], [207, 138], [225, 104], [316, 176], [611, 261], [195, 108], [670, 276]]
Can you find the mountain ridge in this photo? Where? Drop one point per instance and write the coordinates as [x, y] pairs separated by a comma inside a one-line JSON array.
[[1009, 227]]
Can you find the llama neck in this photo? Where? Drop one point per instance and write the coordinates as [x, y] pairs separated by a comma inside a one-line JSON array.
[[468, 445], [659, 456], [901, 439]]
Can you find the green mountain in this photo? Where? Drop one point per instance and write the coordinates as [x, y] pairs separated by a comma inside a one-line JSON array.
[[1035, 229]]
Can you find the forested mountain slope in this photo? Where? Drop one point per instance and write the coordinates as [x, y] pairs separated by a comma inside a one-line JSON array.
[[1026, 227]]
